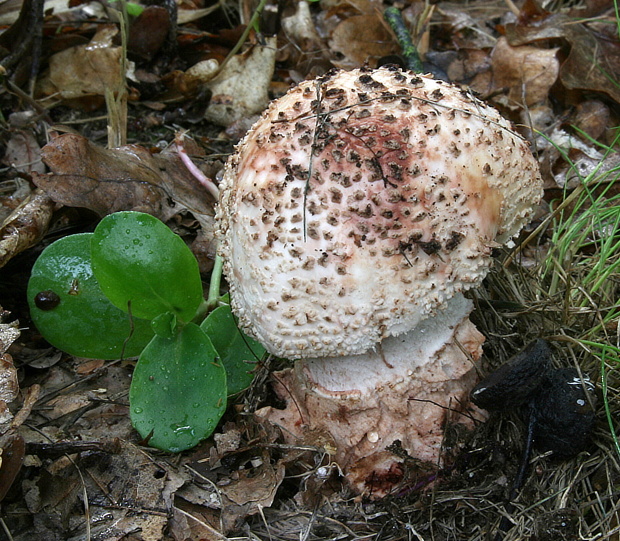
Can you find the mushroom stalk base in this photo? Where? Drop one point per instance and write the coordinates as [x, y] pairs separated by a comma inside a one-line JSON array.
[[399, 395]]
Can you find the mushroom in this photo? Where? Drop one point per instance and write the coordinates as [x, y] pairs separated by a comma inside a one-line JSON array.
[[352, 217]]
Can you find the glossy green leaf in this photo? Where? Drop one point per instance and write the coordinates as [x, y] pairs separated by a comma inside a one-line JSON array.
[[138, 259], [70, 310], [178, 390], [165, 325], [239, 353]]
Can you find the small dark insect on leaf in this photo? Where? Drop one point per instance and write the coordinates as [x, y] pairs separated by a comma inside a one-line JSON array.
[[46, 300]]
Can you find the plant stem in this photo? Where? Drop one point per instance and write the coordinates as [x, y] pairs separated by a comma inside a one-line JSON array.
[[116, 98], [214, 284], [410, 52]]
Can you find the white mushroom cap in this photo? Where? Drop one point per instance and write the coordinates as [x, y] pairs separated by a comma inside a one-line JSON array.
[[361, 202]]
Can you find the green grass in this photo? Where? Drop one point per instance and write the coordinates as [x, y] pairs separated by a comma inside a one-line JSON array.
[[580, 274]]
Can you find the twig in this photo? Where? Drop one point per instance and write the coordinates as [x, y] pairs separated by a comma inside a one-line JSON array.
[[410, 52]]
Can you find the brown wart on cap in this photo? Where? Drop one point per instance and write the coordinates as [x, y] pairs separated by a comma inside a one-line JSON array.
[[359, 208]]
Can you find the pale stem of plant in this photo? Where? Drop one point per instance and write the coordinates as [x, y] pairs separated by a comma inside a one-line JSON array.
[[512, 7], [194, 170], [216, 274], [116, 98]]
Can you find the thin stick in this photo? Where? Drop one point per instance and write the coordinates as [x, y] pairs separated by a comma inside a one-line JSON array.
[[410, 52]]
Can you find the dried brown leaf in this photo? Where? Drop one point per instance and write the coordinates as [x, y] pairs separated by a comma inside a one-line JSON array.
[[592, 117], [361, 39], [125, 178], [593, 62], [251, 492], [25, 226], [148, 32], [241, 88], [528, 72], [12, 450], [23, 152], [85, 69], [9, 384]]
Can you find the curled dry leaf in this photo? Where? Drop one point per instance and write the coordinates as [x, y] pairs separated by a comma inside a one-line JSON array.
[[241, 88], [593, 62], [9, 384], [25, 226], [85, 69], [148, 32], [592, 117], [125, 178], [251, 492], [528, 72], [360, 40], [23, 152]]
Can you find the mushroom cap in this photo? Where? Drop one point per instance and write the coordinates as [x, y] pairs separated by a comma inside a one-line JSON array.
[[360, 202]]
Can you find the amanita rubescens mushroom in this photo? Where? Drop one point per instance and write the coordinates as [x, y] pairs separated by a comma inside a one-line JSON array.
[[352, 217]]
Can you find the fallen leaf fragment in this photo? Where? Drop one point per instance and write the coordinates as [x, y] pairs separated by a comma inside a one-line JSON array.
[[148, 32], [361, 39], [251, 492], [9, 384], [25, 226], [128, 492], [85, 70], [241, 88], [593, 118], [528, 72], [23, 152], [12, 451], [593, 62], [124, 178]]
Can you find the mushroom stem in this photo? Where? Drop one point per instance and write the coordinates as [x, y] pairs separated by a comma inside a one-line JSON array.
[[364, 406]]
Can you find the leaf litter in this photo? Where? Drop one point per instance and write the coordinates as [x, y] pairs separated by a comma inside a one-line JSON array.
[[72, 466]]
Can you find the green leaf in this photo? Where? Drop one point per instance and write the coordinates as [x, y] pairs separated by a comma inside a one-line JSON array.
[[133, 9], [165, 325], [70, 310], [138, 259], [239, 353], [178, 390]]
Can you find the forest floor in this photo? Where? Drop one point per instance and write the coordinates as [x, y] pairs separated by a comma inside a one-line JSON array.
[[72, 466]]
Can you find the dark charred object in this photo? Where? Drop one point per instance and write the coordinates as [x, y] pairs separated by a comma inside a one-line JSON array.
[[557, 405], [516, 381], [564, 411]]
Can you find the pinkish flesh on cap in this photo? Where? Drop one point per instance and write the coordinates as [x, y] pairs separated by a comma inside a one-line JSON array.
[[358, 208]]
